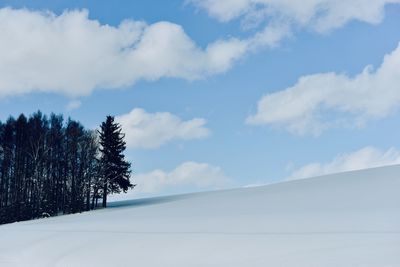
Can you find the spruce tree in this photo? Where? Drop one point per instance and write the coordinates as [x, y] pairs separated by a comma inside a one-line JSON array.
[[114, 168]]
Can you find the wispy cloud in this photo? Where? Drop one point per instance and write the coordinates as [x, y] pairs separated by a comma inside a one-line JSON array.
[[73, 104], [275, 20], [189, 175], [319, 15], [367, 157]]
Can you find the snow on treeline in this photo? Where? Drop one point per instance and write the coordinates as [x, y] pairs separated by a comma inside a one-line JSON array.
[[349, 219], [49, 166]]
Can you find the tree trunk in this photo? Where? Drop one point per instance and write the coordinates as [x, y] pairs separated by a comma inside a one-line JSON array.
[[105, 189]]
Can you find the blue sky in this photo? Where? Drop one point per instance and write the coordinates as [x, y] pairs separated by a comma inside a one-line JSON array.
[[191, 111]]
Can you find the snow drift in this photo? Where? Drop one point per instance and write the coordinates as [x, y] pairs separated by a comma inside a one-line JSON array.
[[348, 219]]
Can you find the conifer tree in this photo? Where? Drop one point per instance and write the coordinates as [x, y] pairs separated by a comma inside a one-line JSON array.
[[47, 167], [114, 168]]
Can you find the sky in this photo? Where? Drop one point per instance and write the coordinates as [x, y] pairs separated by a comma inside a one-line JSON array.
[[214, 94]]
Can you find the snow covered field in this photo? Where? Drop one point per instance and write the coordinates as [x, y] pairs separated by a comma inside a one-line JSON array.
[[349, 219]]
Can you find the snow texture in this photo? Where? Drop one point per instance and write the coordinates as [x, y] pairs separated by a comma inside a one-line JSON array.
[[349, 219]]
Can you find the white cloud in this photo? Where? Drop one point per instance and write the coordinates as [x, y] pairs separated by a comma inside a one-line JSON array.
[[326, 100], [73, 55], [73, 104], [224, 10], [151, 130], [187, 176], [275, 20], [320, 15], [367, 157], [199, 175]]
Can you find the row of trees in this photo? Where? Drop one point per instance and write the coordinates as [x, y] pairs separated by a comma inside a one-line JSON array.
[[50, 167]]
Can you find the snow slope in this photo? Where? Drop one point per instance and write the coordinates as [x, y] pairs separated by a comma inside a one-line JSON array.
[[349, 219]]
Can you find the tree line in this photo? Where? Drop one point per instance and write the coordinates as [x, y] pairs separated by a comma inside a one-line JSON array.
[[49, 166]]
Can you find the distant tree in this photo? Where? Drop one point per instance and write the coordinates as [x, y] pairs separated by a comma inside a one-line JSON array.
[[6, 168], [49, 168], [37, 152], [114, 168], [89, 166], [74, 134], [56, 165], [19, 165], [2, 192]]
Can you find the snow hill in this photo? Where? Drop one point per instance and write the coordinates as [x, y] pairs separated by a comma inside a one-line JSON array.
[[349, 219]]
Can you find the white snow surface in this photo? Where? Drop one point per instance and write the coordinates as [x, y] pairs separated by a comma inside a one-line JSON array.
[[348, 219]]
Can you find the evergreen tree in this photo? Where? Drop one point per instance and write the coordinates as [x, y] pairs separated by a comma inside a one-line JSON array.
[[49, 168], [46, 167], [114, 168]]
